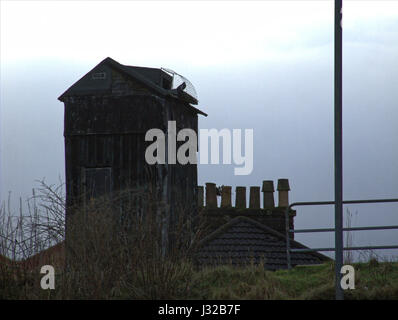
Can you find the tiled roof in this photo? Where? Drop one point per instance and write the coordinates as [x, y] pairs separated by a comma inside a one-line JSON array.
[[136, 73], [4, 260], [54, 256], [243, 240]]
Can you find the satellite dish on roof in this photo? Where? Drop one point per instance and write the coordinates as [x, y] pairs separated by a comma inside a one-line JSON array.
[[178, 80]]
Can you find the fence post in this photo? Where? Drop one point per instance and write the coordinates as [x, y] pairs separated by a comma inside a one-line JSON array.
[[287, 226]]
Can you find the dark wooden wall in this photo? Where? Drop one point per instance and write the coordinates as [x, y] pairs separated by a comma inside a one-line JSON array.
[[108, 131]]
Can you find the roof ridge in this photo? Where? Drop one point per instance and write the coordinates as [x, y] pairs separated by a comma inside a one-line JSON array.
[[131, 72], [260, 225]]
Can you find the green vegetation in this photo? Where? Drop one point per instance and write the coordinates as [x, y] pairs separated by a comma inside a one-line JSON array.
[[373, 281], [110, 262]]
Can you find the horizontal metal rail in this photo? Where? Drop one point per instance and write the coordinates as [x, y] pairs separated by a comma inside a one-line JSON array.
[[320, 203], [345, 248], [344, 229]]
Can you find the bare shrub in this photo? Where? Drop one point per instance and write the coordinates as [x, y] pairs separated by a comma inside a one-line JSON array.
[[116, 247], [37, 224], [121, 247], [349, 238]]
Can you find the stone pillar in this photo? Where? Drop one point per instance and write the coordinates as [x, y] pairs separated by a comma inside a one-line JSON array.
[[226, 197], [240, 202], [283, 192], [254, 202], [211, 196], [268, 194], [200, 196]]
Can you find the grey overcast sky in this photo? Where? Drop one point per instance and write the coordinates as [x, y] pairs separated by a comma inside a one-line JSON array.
[[265, 65]]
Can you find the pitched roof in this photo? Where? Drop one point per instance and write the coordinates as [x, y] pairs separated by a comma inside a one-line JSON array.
[[243, 240], [145, 76], [4, 260], [54, 255]]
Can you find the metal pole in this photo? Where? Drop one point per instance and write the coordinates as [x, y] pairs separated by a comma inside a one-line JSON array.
[[287, 225], [338, 146]]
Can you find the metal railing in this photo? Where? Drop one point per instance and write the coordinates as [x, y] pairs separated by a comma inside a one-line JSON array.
[[320, 203]]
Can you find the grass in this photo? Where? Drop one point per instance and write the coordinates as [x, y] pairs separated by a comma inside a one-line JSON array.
[[374, 280], [301, 279], [228, 282], [108, 262]]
